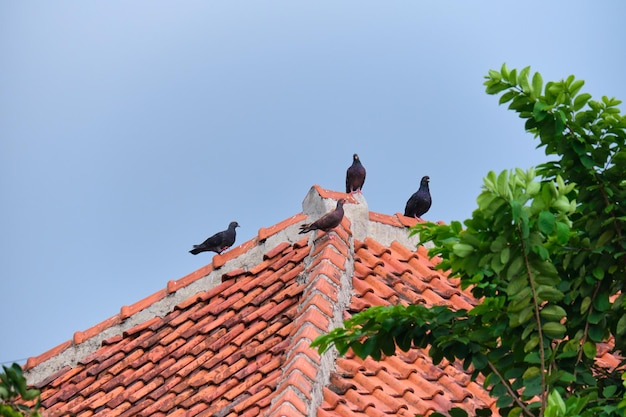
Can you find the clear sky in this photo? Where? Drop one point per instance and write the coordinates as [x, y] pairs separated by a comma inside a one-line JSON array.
[[131, 130]]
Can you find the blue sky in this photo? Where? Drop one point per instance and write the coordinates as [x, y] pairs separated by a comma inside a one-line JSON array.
[[131, 130]]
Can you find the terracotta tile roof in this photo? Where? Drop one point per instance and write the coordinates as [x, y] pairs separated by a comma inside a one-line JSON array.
[[232, 338]]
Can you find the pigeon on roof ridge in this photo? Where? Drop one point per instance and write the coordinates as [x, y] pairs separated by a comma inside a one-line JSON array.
[[419, 203], [219, 242], [355, 176], [328, 221]]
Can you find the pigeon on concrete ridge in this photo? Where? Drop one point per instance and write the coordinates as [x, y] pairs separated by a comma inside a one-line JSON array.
[[355, 176], [219, 242], [420, 202], [328, 221]]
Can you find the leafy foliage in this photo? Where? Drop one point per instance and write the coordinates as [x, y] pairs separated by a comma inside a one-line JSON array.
[[544, 253], [12, 389]]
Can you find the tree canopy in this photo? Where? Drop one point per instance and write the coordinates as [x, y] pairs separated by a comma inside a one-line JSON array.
[[544, 253]]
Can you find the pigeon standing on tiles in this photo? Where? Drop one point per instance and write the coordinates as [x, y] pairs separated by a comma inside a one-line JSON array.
[[420, 202], [355, 176], [328, 221], [219, 242]]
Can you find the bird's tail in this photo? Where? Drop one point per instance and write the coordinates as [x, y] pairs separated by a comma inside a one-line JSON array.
[[196, 250], [305, 228]]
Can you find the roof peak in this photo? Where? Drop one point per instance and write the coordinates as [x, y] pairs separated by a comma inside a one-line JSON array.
[[240, 259]]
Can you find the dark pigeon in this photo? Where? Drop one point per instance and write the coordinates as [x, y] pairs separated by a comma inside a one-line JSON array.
[[328, 221], [420, 202], [219, 242], [355, 176]]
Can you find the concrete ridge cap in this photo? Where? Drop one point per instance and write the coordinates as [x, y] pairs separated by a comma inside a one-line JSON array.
[[158, 304]]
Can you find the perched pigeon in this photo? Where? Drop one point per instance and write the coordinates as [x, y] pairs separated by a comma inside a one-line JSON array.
[[420, 202], [355, 176], [219, 242], [328, 221]]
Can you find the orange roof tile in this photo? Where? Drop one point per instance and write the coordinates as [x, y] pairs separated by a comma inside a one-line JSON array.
[[233, 338]]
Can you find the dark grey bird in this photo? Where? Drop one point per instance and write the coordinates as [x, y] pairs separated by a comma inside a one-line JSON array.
[[219, 242], [355, 176], [328, 221], [420, 201]]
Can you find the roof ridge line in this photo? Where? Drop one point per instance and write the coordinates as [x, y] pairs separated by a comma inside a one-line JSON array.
[[161, 302], [320, 310]]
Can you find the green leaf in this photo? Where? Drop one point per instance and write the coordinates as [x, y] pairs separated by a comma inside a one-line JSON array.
[[508, 96], [585, 304], [576, 86], [621, 326], [553, 330], [522, 80], [495, 75], [579, 147], [516, 210], [542, 252], [598, 273], [581, 100], [539, 111], [559, 122], [553, 312], [462, 250], [513, 76], [496, 87], [505, 255], [547, 223], [503, 183], [457, 412], [521, 317], [504, 400], [546, 293], [479, 361], [516, 285], [556, 405], [589, 349], [30, 394], [533, 357], [596, 333], [605, 237], [515, 268], [537, 84], [609, 391], [566, 377], [387, 345], [531, 344], [586, 161], [601, 302], [562, 233]]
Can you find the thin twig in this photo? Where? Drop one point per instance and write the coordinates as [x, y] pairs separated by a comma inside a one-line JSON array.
[[510, 390]]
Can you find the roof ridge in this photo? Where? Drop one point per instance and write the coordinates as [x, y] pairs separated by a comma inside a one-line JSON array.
[[328, 289], [159, 303]]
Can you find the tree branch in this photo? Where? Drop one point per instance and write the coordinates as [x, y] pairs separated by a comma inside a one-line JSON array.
[[542, 354], [510, 390]]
